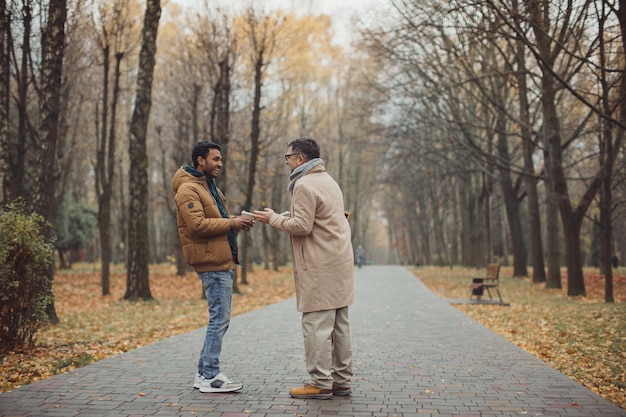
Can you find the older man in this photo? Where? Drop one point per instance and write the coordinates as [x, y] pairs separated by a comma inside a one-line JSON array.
[[323, 264]]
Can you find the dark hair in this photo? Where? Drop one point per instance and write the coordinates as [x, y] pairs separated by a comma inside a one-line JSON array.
[[305, 146], [202, 149]]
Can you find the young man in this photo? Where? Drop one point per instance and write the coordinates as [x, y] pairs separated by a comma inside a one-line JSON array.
[[323, 264], [206, 232]]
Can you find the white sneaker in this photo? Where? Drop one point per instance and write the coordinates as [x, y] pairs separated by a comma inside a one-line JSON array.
[[197, 380], [220, 383]]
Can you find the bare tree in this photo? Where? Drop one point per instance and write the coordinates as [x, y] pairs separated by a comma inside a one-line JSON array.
[[137, 279], [4, 101], [611, 142], [47, 176], [262, 33], [551, 42], [112, 32], [528, 147], [222, 54], [18, 161]]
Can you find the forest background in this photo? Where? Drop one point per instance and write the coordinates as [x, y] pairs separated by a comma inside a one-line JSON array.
[[460, 132]]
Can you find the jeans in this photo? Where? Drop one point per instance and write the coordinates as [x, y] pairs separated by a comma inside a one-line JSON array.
[[218, 287]]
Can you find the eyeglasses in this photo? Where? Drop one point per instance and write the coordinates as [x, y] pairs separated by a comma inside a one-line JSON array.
[[290, 154]]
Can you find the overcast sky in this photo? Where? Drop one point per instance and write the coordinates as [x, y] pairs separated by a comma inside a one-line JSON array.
[[341, 11]]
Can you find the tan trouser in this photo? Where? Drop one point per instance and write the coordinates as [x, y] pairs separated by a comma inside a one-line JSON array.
[[328, 347]]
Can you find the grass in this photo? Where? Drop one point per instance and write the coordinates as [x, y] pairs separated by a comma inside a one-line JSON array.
[[582, 337]]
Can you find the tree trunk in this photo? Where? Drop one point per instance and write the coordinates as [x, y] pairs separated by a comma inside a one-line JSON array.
[[45, 186], [412, 227], [195, 99], [456, 220], [511, 202], [4, 104], [466, 218], [571, 220], [571, 217], [438, 230], [551, 135], [104, 226], [606, 231], [425, 257], [122, 235], [223, 117], [137, 278], [265, 248], [485, 202], [473, 223], [104, 198], [575, 276], [107, 172], [553, 253], [179, 155], [606, 197], [534, 217], [552, 228], [277, 195], [255, 134], [18, 166]]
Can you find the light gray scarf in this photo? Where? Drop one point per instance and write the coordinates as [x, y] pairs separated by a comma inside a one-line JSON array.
[[301, 170]]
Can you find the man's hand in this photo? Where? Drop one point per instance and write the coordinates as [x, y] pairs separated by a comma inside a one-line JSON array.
[[243, 224], [264, 216]]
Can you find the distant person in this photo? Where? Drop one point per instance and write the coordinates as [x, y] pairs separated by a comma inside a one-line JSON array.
[[360, 253], [323, 264], [614, 261], [206, 232]]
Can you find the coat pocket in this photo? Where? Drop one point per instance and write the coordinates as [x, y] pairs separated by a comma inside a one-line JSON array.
[[303, 265]]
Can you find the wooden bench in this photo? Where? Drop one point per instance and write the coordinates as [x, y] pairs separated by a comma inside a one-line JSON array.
[[490, 280]]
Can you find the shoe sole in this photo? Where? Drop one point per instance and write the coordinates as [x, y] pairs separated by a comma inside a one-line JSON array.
[[313, 396], [342, 393], [218, 390]]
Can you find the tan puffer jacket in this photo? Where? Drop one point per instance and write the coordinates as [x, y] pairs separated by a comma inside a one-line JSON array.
[[201, 228]]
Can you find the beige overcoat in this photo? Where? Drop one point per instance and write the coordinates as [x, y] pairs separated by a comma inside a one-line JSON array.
[[323, 259]]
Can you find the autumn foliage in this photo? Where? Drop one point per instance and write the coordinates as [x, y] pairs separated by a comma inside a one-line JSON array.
[[581, 337], [94, 327]]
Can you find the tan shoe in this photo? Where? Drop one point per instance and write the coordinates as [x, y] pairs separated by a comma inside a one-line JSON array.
[[341, 390], [309, 391]]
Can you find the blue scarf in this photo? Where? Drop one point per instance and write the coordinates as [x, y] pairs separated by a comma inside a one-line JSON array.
[[232, 240]]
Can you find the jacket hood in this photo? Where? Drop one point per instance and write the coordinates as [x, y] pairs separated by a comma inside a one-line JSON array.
[[185, 174]]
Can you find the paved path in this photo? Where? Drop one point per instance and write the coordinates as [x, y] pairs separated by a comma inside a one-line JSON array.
[[414, 355]]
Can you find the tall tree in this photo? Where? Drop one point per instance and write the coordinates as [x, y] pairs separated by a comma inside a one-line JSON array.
[[610, 147], [4, 101], [262, 35], [18, 162], [528, 147], [493, 88], [47, 175], [115, 22], [137, 276], [221, 55], [548, 50]]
